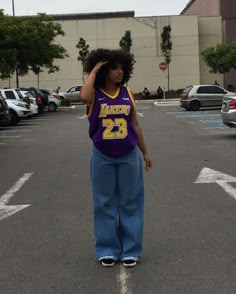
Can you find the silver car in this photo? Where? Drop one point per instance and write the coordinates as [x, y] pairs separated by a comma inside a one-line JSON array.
[[228, 111], [197, 96], [71, 94]]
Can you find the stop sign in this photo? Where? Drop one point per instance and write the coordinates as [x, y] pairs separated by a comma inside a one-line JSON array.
[[163, 66]]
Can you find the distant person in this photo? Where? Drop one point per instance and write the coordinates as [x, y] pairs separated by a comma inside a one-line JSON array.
[[146, 92], [159, 92], [57, 90], [216, 83], [230, 88]]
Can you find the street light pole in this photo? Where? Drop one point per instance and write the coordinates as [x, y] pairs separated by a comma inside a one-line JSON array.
[[13, 8]]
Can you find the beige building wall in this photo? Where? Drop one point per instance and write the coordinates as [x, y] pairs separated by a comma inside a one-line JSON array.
[[203, 7], [189, 35], [210, 33]]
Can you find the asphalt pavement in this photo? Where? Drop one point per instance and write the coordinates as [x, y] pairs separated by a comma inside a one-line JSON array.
[[46, 222]]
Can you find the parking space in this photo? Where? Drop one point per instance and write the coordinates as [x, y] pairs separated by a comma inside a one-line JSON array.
[[208, 119], [24, 130]]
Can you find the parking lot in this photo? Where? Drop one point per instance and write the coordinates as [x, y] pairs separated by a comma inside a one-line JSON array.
[[46, 223], [207, 119]]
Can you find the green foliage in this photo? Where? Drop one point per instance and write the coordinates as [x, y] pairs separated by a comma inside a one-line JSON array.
[[65, 102], [166, 44], [126, 44], [221, 58], [126, 41], [29, 44], [83, 52]]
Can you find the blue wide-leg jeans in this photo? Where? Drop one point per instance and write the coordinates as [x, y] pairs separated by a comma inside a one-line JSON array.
[[118, 198]]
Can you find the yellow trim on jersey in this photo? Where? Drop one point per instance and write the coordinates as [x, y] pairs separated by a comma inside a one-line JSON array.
[[111, 96], [131, 97]]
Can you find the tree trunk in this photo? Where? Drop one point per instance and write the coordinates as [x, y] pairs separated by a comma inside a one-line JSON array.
[[38, 80], [168, 77]]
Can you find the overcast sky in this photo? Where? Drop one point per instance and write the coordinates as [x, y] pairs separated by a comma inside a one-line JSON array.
[[141, 7]]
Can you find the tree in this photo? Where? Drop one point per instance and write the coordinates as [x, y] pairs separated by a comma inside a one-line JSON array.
[[221, 58], [166, 47], [126, 44], [83, 53], [28, 43]]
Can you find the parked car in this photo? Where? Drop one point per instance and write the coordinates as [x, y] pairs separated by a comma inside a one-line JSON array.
[[17, 111], [41, 99], [197, 96], [32, 100], [13, 94], [72, 93], [228, 111], [4, 112], [53, 99]]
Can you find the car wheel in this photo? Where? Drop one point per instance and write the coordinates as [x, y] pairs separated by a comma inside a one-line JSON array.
[[194, 105], [52, 107], [14, 118]]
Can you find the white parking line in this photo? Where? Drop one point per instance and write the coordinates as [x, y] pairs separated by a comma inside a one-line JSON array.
[[2, 136], [29, 139], [82, 117], [42, 119], [14, 131], [195, 115], [140, 114], [123, 279], [210, 121]]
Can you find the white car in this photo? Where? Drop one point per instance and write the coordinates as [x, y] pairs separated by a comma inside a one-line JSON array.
[[53, 99], [17, 110], [32, 100], [228, 111], [71, 94]]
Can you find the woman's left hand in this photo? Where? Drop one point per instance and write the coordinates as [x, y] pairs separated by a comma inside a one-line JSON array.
[[148, 162]]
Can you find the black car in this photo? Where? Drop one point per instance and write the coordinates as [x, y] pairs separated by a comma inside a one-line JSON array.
[[4, 114], [41, 98]]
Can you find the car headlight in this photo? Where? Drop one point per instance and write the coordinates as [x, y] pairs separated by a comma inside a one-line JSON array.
[[19, 104]]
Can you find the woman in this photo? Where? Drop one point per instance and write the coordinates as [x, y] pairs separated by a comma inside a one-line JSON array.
[[116, 164]]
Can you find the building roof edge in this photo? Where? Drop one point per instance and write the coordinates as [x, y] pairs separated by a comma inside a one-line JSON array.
[[93, 15], [189, 4]]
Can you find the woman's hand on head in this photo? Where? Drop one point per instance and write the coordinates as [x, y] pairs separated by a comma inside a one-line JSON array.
[[99, 65]]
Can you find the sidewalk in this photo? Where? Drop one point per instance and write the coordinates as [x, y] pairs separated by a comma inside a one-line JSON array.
[[156, 102]]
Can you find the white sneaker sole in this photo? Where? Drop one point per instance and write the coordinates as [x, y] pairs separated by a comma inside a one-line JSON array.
[[108, 264], [129, 264]]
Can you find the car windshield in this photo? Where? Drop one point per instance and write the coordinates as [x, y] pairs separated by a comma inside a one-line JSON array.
[[30, 94]]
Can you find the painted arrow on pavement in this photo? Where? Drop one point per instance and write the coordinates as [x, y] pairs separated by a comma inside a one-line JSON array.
[[8, 210], [208, 175]]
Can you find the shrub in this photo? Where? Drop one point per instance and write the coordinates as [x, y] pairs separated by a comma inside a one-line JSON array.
[[65, 102]]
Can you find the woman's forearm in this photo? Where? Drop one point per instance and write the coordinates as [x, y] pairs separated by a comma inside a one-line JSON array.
[[86, 92]]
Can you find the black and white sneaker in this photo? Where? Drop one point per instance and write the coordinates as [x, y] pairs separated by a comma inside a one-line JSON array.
[[107, 262], [129, 263]]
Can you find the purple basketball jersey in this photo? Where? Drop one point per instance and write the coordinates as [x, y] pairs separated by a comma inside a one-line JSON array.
[[111, 128]]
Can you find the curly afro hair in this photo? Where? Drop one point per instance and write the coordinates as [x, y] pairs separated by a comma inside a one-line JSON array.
[[114, 57]]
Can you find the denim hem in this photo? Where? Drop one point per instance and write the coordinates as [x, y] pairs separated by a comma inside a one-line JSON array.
[[136, 258], [107, 256]]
